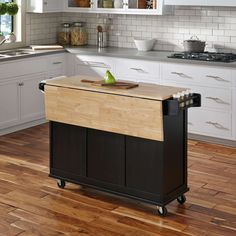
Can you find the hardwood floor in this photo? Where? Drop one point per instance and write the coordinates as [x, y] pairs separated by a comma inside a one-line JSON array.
[[32, 204]]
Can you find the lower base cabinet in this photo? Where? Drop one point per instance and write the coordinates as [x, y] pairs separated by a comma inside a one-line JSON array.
[[146, 170]]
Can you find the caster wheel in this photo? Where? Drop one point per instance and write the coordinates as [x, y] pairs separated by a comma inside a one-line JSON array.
[[181, 199], [61, 183], [162, 211]]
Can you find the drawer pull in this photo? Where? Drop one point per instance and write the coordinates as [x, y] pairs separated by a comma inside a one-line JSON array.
[[217, 125], [57, 62], [182, 75], [139, 70], [217, 78], [96, 64], [190, 123], [217, 100]]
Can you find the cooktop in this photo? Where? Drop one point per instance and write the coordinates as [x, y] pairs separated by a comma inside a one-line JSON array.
[[205, 56]]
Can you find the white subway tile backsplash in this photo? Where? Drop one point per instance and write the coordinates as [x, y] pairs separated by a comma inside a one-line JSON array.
[[216, 25]]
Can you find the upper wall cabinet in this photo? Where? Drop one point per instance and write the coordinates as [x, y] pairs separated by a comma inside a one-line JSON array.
[[45, 6], [143, 7], [229, 3]]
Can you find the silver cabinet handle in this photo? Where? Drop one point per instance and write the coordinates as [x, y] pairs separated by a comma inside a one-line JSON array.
[[190, 123], [139, 70], [96, 64], [217, 125], [182, 75], [217, 78], [45, 3], [57, 62], [217, 100]]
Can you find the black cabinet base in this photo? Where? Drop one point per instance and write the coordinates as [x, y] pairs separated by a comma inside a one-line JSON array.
[[146, 170], [121, 191]]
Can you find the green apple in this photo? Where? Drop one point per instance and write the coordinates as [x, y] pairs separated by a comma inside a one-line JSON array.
[[109, 78]]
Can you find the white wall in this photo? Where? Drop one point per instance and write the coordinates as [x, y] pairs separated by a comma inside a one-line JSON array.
[[216, 25]]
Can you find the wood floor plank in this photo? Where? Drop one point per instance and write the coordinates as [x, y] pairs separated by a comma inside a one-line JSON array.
[[31, 204]]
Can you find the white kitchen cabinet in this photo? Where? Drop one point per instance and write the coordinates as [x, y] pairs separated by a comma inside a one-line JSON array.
[[215, 118], [143, 7], [21, 102], [188, 74], [95, 66], [9, 103], [45, 6], [31, 99], [56, 65], [226, 3], [137, 70]]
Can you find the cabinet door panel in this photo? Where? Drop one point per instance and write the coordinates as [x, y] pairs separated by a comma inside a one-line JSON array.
[[52, 5], [32, 100], [68, 149], [9, 104], [106, 154], [143, 164]]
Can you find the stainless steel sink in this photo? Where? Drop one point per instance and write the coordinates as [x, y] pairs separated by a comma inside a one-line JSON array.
[[14, 53]]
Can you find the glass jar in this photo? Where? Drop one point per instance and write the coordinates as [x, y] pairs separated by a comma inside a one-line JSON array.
[[79, 34], [107, 4], [64, 34]]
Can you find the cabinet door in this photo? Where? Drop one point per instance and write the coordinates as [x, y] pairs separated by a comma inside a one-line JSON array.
[[9, 104], [32, 100], [52, 5], [68, 150], [106, 157], [43, 6], [144, 165]]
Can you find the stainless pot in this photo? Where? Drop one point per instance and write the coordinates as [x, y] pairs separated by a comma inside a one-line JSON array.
[[194, 45]]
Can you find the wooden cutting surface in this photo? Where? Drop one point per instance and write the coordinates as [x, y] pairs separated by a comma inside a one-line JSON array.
[[145, 90], [31, 204], [104, 111]]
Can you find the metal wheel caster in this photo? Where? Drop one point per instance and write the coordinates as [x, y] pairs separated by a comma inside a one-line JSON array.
[[61, 183], [181, 199], [162, 211]]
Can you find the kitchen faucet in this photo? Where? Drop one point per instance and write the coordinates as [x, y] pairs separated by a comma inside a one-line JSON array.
[[3, 41]]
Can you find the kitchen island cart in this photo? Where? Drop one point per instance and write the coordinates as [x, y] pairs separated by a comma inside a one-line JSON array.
[[129, 142]]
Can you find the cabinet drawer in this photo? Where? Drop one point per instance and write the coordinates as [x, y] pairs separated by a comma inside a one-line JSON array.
[[213, 98], [93, 66], [22, 67], [197, 75], [210, 123], [94, 61], [137, 69], [56, 62]]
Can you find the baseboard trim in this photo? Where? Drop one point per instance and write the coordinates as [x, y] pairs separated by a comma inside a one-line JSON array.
[[21, 126], [208, 139]]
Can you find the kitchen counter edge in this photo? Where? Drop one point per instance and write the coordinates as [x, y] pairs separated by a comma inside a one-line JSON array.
[[132, 53]]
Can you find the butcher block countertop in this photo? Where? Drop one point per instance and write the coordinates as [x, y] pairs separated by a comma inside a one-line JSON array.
[[144, 90]]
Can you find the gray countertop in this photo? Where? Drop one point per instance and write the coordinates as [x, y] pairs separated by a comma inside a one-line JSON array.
[[132, 53], [129, 53]]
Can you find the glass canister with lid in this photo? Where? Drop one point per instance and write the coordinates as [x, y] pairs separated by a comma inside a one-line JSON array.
[[64, 34], [79, 34]]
